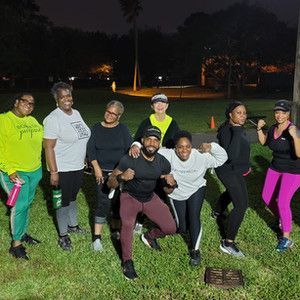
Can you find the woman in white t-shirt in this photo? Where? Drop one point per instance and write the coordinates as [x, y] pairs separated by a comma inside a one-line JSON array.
[[188, 167], [65, 139]]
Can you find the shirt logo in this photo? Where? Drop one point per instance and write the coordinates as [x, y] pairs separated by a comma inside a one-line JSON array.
[[80, 129]]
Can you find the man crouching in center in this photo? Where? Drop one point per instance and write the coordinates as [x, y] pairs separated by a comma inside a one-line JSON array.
[[137, 178]]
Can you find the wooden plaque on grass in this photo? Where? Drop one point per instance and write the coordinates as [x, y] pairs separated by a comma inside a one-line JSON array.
[[224, 278]]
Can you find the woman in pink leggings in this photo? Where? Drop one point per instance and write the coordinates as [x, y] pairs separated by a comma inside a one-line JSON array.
[[283, 176]]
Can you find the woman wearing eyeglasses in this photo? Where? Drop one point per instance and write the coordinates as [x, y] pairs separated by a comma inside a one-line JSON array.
[[20, 161], [65, 139], [110, 140]]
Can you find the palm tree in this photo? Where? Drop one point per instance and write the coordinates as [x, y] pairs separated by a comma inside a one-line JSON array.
[[131, 9]]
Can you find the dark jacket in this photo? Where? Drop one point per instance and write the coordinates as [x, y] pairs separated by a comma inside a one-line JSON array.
[[234, 140]]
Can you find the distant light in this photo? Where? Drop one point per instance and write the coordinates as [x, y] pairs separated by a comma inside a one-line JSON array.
[[72, 78], [160, 78], [107, 78]]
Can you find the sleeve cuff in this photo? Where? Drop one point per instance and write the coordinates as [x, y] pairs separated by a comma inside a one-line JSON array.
[[136, 143]]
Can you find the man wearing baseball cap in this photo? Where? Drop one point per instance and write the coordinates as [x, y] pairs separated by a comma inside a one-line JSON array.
[[138, 178]]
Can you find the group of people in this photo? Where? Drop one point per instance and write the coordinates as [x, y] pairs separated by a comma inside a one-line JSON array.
[[160, 160]]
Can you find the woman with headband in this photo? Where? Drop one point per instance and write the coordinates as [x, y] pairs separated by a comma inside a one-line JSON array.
[[232, 137]]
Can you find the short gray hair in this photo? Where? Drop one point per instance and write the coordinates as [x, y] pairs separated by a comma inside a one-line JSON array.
[[117, 104], [60, 86]]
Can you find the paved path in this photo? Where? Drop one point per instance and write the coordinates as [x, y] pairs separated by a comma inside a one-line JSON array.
[[207, 137]]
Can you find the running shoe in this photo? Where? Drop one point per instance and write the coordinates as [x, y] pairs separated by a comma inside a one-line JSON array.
[[29, 239], [128, 270], [97, 245], [231, 248], [65, 243], [18, 252], [151, 243], [195, 257], [284, 244]]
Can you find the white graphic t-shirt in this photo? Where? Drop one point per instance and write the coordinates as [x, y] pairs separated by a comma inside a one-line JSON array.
[[72, 135]]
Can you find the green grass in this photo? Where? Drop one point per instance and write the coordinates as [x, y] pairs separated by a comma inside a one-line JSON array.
[[82, 274]]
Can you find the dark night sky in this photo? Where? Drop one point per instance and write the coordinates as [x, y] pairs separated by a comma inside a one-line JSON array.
[[106, 15]]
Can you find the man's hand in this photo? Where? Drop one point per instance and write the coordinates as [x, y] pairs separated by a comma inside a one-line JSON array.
[[170, 180], [127, 175]]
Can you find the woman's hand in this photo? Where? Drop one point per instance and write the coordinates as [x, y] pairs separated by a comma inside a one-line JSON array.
[[54, 179], [260, 124], [205, 147], [14, 177], [134, 151], [99, 176], [293, 131]]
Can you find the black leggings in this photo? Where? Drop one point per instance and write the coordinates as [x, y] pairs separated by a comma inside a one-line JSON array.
[[187, 215], [236, 192]]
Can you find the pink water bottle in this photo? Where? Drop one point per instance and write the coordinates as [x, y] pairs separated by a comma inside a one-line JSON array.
[[14, 193]]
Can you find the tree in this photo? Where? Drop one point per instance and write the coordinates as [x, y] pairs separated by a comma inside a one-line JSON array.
[[23, 36], [131, 9], [234, 43], [296, 96]]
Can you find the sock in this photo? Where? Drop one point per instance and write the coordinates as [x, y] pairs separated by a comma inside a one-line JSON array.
[[96, 236]]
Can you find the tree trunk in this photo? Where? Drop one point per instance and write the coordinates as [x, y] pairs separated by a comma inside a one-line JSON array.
[[202, 84], [296, 95]]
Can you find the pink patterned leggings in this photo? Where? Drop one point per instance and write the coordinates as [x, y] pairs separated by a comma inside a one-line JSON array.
[[278, 191]]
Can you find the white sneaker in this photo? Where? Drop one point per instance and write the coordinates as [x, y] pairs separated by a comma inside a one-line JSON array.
[[138, 228], [97, 245]]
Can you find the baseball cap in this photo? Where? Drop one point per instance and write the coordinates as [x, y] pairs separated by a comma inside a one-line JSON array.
[[159, 98], [283, 105], [152, 131]]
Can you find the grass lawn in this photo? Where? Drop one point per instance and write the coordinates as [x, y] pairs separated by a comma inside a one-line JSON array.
[[83, 274]]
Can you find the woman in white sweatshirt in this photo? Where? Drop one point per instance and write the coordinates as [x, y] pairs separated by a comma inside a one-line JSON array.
[[188, 166]]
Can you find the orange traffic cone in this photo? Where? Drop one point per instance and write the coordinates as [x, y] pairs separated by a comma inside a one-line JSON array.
[[212, 123]]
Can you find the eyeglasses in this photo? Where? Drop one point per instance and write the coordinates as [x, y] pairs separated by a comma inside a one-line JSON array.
[[112, 113], [27, 102]]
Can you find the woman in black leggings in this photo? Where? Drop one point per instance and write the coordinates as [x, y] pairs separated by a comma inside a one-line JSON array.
[[232, 137], [188, 167]]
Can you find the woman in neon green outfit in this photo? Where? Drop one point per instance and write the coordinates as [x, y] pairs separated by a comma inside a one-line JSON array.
[[20, 160]]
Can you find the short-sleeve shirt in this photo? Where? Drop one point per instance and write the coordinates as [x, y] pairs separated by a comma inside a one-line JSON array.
[[147, 173], [72, 135], [284, 156]]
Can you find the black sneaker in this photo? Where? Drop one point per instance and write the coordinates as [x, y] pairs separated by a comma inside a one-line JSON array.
[[128, 269], [18, 252], [76, 229], [65, 243], [29, 239], [151, 243], [195, 257]]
